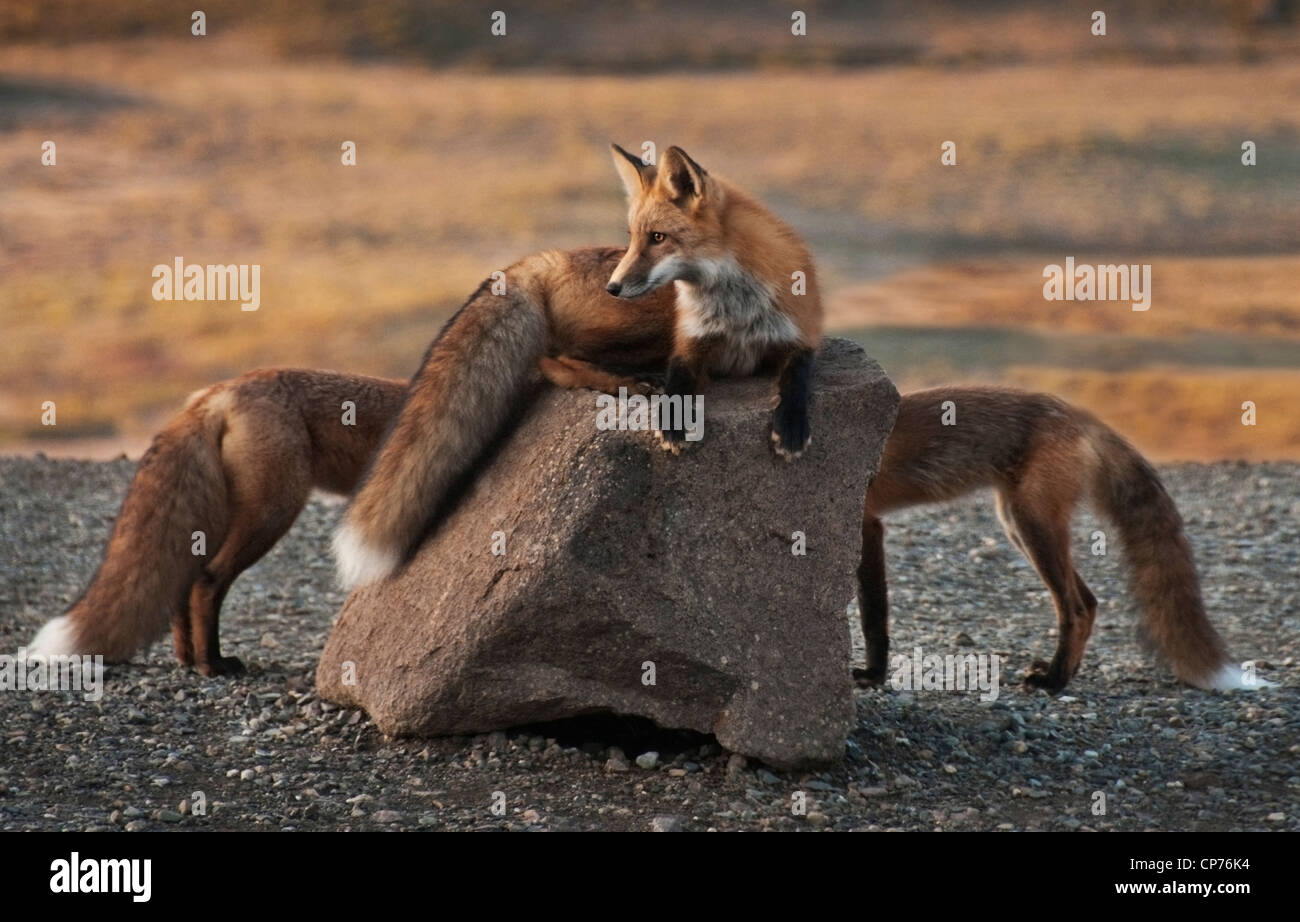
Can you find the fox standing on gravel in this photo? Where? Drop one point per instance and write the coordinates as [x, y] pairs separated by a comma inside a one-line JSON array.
[[236, 465], [1043, 456], [744, 299]]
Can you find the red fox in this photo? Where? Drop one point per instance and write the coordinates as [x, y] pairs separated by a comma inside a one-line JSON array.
[[746, 289], [1043, 456], [237, 465], [731, 311]]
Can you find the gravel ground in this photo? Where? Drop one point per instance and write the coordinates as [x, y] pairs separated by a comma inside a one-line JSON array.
[[267, 754]]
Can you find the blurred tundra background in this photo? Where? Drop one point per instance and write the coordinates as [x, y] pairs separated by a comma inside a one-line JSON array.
[[473, 149]]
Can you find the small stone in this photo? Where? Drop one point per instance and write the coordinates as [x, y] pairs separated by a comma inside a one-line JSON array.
[[386, 816], [647, 760], [666, 824]]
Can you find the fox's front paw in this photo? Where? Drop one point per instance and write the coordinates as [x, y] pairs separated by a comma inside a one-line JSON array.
[[673, 440], [1042, 675], [222, 665], [869, 678], [791, 434]]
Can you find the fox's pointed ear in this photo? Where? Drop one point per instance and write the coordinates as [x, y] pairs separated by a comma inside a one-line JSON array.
[[636, 176], [680, 176]]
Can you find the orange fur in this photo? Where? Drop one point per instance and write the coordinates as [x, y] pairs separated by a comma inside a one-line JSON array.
[[237, 465], [747, 293], [1042, 457]]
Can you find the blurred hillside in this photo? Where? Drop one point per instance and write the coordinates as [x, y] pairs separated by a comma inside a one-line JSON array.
[[225, 149], [649, 35]]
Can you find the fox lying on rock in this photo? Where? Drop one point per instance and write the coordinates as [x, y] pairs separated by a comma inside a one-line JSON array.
[[743, 299]]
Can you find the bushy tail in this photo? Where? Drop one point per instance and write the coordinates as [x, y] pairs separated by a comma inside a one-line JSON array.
[[1161, 569], [472, 376], [148, 566]]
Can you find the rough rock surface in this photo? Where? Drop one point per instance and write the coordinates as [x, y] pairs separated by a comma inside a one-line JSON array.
[[635, 582]]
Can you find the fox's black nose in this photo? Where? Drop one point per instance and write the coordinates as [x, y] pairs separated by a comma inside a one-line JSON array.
[[614, 288]]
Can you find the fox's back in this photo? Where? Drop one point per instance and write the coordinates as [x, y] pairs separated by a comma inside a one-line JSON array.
[[337, 419], [949, 440]]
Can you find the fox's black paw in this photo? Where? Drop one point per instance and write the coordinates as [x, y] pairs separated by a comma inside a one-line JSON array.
[[673, 440], [869, 678], [222, 665], [791, 434], [1042, 675]]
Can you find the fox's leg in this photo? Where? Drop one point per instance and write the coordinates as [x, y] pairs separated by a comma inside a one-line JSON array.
[[873, 600], [1089, 612], [267, 456], [1008, 524], [791, 430], [566, 371], [182, 645], [1045, 539], [206, 598], [251, 535], [684, 379]]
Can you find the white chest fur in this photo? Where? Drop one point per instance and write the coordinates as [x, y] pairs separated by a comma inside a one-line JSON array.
[[738, 308]]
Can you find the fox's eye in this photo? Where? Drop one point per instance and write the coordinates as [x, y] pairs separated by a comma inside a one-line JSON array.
[[657, 237]]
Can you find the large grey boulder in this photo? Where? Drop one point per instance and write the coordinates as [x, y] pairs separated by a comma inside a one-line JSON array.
[[634, 581]]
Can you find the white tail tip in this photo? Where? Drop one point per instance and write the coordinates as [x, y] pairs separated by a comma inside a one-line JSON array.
[[360, 563], [56, 638], [1231, 677]]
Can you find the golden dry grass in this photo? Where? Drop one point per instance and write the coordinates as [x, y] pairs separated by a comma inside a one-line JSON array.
[[1249, 295], [1176, 414], [221, 153]]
